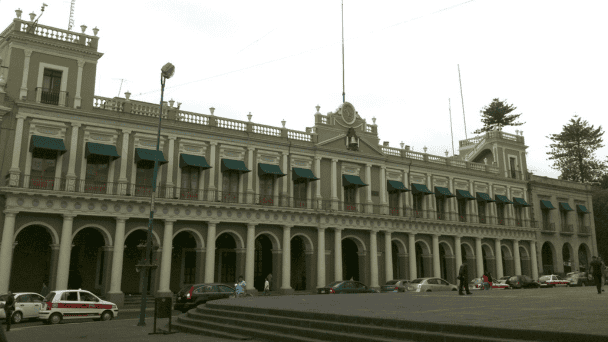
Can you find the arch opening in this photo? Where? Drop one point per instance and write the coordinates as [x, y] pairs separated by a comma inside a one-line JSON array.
[[547, 258], [183, 260], [31, 263], [87, 261], [298, 264], [350, 259], [225, 258], [263, 261]]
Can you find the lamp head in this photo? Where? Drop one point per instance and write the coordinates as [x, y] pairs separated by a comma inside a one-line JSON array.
[[167, 70]]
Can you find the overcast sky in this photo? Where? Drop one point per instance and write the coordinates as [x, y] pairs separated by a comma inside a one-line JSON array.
[[279, 59]]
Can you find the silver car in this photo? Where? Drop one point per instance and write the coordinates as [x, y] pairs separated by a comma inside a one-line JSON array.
[[430, 285], [27, 306]]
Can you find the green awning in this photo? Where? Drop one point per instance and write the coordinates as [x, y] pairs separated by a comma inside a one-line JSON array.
[[581, 208], [565, 206], [520, 202], [546, 205], [395, 186], [234, 165], [142, 154], [302, 175], [502, 199], [269, 169], [190, 160], [443, 192], [464, 194], [352, 180], [420, 188], [482, 196], [47, 143], [101, 150]]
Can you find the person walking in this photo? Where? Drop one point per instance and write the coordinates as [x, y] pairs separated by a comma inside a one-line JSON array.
[[9, 308], [241, 287], [603, 267], [596, 269], [267, 285], [463, 277], [484, 281], [45, 290], [490, 280]]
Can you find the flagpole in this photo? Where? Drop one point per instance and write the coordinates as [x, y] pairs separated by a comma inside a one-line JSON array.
[[451, 131], [343, 89], [462, 99]]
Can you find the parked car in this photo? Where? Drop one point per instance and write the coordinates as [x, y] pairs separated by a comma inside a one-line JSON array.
[[522, 281], [430, 285], [578, 278], [345, 286], [395, 286], [27, 306], [476, 284], [191, 296], [74, 304], [553, 280]]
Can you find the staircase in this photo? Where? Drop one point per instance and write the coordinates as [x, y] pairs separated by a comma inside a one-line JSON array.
[[245, 323], [134, 302]]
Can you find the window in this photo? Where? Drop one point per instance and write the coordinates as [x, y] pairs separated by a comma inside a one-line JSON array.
[[23, 299], [51, 86], [225, 289], [189, 186], [393, 203], [462, 210], [443, 282], [513, 170], [299, 194], [43, 169], [440, 207], [581, 220], [72, 296], [143, 178], [432, 282], [417, 205], [481, 210], [546, 217], [266, 190], [350, 198], [500, 212], [518, 215], [563, 215], [230, 187], [87, 297], [96, 178]]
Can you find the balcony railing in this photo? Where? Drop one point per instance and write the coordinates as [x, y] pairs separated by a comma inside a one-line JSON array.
[[482, 219], [584, 230], [47, 96], [548, 227], [567, 229], [442, 216], [268, 200]]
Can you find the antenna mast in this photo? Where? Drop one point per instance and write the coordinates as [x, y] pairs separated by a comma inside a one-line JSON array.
[[71, 23], [462, 99], [343, 92], [450, 106]]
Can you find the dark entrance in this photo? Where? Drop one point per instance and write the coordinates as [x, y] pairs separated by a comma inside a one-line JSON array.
[[263, 261], [298, 264], [183, 261], [225, 259], [132, 256], [583, 259], [547, 256], [443, 263], [87, 260], [396, 268], [420, 271], [31, 260], [566, 258], [350, 260]]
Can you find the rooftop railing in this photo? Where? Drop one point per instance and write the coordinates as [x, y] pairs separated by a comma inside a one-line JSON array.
[[28, 27]]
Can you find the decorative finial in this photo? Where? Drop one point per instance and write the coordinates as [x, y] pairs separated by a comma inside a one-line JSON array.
[[179, 104], [249, 116], [318, 107], [374, 120], [446, 153], [402, 144], [517, 132], [32, 16], [127, 95], [283, 122], [425, 148], [212, 110], [18, 12], [171, 103], [95, 30], [83, 28], [521, 133]]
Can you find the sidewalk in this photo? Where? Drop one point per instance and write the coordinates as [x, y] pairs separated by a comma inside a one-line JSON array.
[[116, 331]]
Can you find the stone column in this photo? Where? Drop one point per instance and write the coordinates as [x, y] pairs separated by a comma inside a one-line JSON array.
[[210, 257], [337, 254], [212, 174], [321, 257], [250, 256], [65, 249], [318, 183], [534, 261], [124, 160], [250, 193], [517, 260], [286, 187], [383, 193], [77, 98], [458, 252], [286, 270], [26, 70], [6, 251], [71, 175], [412, 255], [436, 263], [479, 256], [473, 205], [373, 258], [53, 269], [165, 262], [334, 185], [15, 171], [170, 165], [368, 189], [388, 256], [117, 259], [498, 254]]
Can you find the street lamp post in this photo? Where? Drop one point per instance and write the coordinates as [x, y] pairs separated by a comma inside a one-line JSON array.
[[166, 72]]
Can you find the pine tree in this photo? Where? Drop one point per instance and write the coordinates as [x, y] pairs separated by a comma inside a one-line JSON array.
[[573, 151], [496, 115]]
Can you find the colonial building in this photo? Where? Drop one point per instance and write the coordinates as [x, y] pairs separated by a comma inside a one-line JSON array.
[[326, 203]]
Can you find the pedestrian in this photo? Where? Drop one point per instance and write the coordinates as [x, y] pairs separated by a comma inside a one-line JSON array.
[[603, 272], [463, 277], [9, 308], [267, 285], [45, 290], [484, 280], [596, 269], [241, 286], [490, 280]]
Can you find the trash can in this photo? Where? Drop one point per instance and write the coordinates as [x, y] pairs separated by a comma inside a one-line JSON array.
[[163, 306]]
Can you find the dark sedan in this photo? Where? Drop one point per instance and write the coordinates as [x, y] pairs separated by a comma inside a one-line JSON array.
[[345, 286], [193, 295], [522, 281]]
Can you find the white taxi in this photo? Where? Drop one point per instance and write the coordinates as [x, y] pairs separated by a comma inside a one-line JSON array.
[[75, 304], [553, 281], [27, 306]]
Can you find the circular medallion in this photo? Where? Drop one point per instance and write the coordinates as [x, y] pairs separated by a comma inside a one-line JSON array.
[[343, 221], [350, 221], [248, 215], [176, 211], [64, 204], [187, 211], [209, 213], [104, 207], [199, 212], [20, 201], [229, 213], [239, 214], [284, 217], [142, 209], [327, 220], [276, 217], [117, 207], [309, 219], [165, 210], [219, 213], [91, 206], [301, 218], [77, 205], [267, 216], [293, 217], [129, 208], [348, 113], [257, 215], [335, 220], [49, 203]]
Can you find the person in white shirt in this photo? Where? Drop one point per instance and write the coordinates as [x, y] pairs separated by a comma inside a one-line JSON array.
[[267, 285], [241, 286]]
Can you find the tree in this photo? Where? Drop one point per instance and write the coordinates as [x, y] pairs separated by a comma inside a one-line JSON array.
[[496, 115], [573, 151]]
